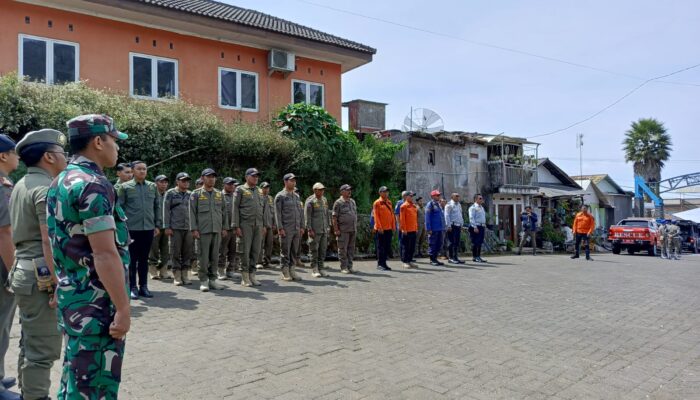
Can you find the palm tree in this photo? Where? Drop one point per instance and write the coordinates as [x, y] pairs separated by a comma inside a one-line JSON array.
[[648, 146]]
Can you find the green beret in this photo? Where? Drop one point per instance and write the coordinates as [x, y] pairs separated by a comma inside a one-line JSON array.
[[43, 136]]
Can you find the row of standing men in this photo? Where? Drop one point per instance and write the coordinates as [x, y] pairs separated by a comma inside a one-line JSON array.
[[220, 231]]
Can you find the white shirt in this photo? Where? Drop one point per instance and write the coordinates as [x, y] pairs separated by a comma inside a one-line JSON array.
[[453, 214]]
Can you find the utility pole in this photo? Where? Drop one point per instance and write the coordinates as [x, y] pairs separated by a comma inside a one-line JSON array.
[[579, 144]]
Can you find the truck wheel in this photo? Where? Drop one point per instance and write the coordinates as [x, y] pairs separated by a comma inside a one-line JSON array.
[[616, 249], [630, 251], [652, 250]]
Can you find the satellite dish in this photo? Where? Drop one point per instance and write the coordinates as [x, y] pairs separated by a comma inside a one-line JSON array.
[[423, 120]]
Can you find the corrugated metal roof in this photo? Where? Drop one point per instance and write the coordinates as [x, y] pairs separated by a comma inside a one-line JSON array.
[[255, 19]]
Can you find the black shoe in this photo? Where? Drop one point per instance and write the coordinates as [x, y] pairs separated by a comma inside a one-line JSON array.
[[8, 382], [574, 256], [144, 292], [519, 253], [383, 268], [481, 260], [459, 261], [452, 261], [588, 258], [475, 259], [434, 263], [134, 293]]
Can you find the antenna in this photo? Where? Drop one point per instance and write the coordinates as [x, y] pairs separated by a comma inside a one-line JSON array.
[[423, 120]]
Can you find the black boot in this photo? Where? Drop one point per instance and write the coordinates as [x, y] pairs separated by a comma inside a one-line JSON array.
[[134, 293], [144, 292]]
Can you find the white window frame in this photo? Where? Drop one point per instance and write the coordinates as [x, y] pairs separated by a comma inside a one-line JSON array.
[[49, 56], [308, 91], [239, 90], [154, 77]]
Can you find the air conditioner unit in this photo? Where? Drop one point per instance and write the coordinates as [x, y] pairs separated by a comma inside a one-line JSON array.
[[280, 60]]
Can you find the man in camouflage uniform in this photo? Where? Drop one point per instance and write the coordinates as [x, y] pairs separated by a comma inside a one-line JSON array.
[[158, 258], [673, 241], [318, 223], [248, 207], [227, 254], [267, 240], [289, 219], [33, 279], [8, 163], [208, 218], [345, 227], [90, 241], [139, 199], [176, 223]]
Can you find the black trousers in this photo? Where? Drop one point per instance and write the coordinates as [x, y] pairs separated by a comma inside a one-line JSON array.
[[383, 247], [408, 246], [477, 240], [454, 237], [138, 251], [585, 238]]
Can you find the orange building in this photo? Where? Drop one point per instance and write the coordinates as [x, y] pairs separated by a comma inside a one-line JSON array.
[[242, 63]]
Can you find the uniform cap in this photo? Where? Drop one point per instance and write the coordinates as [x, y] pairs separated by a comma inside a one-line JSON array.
[[228, 181], [208, 172], [435, 193], [6, 144], [43, 136], [410, 193], [93, 125], [252, 172], [405, 193], [289, 176], [419, 198], [161, 178], [318, 186], [346, 187], [383, 189], [182, 176], [264, 185], [199, 181]]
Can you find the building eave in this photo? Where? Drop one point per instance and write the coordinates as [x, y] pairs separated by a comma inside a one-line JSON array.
[[188, 24]]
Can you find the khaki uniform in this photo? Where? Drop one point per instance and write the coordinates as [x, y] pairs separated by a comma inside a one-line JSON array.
[[265, 258], [208, 216], [673, 242], [159, 257], [662, 241], [289, 216], [248, 207], [176, 216], [317, 219], [41, 341], [228, 257], [7, 300], [345, 213]]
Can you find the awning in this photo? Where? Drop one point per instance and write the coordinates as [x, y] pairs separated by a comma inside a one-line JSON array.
[[560, 191], [691, 215]]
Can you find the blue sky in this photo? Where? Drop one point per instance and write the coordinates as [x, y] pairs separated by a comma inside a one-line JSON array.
[[483, 89]]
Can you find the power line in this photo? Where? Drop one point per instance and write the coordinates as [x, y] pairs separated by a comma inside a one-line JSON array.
[[612, 159], [611, 105], [491, 45]]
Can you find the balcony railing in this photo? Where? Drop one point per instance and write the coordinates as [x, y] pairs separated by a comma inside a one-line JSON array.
[[505, 174]]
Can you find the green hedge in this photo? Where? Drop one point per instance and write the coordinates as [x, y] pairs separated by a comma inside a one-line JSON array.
[[158, 129], [304, 139]]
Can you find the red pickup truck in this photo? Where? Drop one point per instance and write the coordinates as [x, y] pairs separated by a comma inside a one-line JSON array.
[[635, 234]]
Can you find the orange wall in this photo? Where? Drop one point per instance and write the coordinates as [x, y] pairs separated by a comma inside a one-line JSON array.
[[104, 58]]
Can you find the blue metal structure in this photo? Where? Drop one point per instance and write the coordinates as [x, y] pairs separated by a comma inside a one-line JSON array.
[[641, 188]]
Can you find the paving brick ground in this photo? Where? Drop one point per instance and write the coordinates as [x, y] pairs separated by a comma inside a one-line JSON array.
[[620, 327]]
